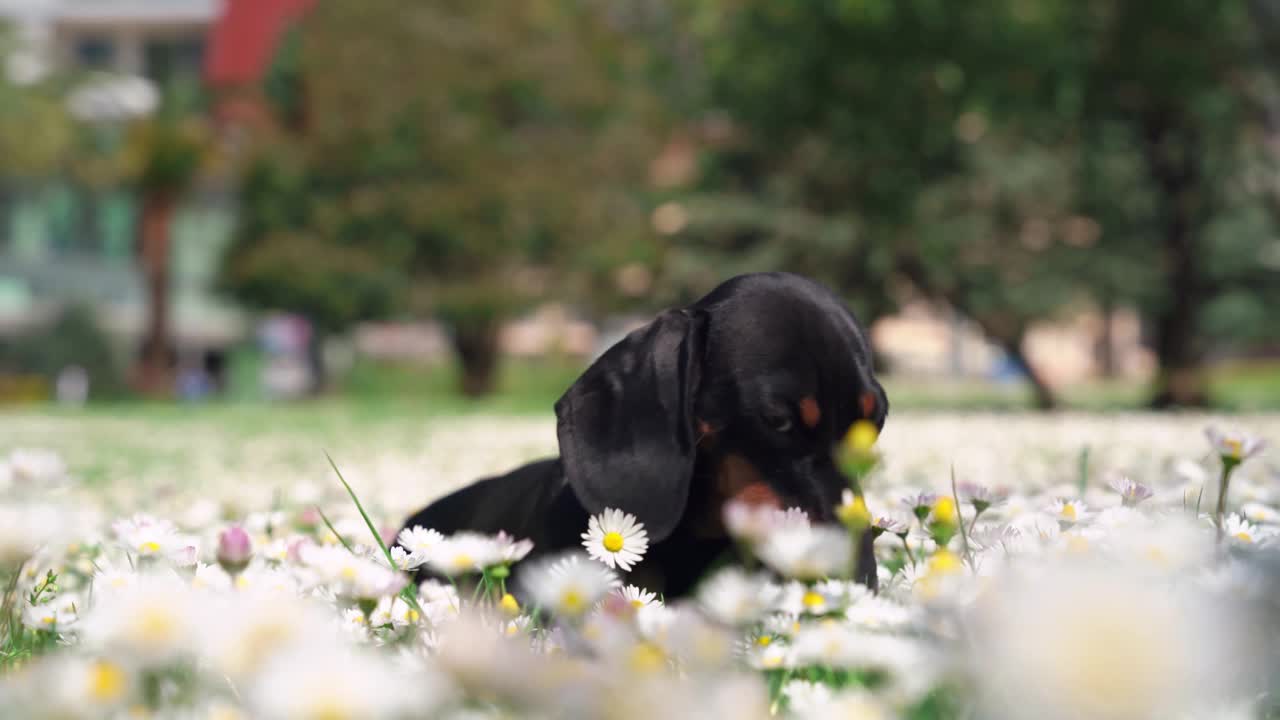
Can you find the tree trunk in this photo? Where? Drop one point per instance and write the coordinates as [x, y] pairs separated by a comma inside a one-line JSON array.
[[1105, 349], [154, 374], [1042, 391], [1173, 163], [477, 348]]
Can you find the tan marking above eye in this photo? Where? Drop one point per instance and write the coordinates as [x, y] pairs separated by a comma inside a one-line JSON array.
[[810, 413], [868, 402]]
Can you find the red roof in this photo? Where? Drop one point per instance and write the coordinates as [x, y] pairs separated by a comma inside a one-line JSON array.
[[243, 41]]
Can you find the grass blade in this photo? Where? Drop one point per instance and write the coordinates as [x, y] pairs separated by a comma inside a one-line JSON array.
[[409, 593], [372, 528], [334, 530]]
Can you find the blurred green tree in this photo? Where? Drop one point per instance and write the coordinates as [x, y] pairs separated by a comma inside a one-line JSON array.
[[886, 145], [453, 159], [1179, 136], [36, 134], [1015, 159]]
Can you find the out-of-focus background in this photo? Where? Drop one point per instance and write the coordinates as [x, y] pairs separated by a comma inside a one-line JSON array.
[[431, 206]]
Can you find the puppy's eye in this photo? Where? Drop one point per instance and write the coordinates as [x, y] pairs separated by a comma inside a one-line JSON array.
[[780, 422]]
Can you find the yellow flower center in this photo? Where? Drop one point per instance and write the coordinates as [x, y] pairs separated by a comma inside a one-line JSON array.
[[1236, 447], [329, 709], [412, 615], [572, 601], [862, 436], [149, 547], [1076, 543], [48, 619], [764, 640], [1244, 537], [944, 562], [156, 625], [613, 542], [463, 561], [1069, 511], [637, 603], [106, 682], [645, 658], [944, 510], [855, 514], [813, 600], [509, 605]]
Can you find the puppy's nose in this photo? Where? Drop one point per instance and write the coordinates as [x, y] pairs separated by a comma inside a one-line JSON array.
[[759, 494]]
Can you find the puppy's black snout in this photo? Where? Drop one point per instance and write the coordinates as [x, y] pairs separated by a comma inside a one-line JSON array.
[[823, 483]]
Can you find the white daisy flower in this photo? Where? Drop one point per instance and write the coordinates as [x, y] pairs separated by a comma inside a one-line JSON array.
[[570, 585], [32, 468], [419, 541], [1069, 510], [1131, 492], [511, 550], [801, 552], [57, 615], [775, 655], [24, 529], [805, 697], [616, 539], [753, 523], [1234, 445], [1244, 532], [636, 596], [210, 577], [817, 599], [1259, 513], [856, 705], [332, 681], [464, 553], [148, 537], [352, 576], [735, 598], [403, 559], [155, 619], [877, 613]]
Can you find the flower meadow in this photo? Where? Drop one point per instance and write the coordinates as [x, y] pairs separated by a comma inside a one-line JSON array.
[[1120, 567]]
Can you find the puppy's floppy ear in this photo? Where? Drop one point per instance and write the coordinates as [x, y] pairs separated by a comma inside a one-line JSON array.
[[626, 427]]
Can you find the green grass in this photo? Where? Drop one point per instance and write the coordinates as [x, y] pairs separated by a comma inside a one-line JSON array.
[[1232, 388]]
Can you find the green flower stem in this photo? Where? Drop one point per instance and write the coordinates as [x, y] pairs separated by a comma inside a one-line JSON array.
[[910, 555], [964, 537], [1228, 465]]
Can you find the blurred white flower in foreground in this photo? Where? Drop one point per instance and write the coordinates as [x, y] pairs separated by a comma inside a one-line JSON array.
[[570, 585], [334, 683], [25, 528], [807, 553], [1083, 641]]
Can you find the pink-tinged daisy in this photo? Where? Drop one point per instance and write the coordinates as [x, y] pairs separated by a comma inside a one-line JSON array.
[[616, 539], [1234, 445]]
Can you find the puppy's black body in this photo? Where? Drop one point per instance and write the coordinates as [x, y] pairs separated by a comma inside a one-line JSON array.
[[755, 383]]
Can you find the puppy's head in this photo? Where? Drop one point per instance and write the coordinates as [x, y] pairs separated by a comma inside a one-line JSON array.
[[765, 374]]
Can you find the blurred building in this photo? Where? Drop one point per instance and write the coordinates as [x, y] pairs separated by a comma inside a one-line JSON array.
[[64, 242]]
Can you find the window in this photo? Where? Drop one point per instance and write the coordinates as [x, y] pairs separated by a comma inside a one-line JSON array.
[[167, 60], [94, 52]]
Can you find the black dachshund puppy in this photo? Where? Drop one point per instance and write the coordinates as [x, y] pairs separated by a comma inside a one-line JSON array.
[[755, 383]]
